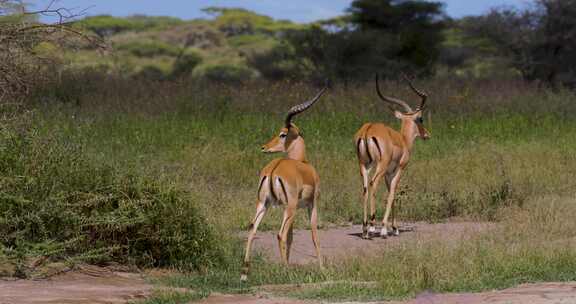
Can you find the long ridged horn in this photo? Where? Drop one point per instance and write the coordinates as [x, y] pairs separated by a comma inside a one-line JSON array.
[[297, 109], [391, 100], [422, 95]]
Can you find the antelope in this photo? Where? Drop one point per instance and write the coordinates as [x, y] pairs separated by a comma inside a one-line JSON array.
[[388, 150], [291, 182]]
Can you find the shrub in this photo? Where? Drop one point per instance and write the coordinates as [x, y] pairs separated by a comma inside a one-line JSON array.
[[148, 48], [151, 72], [58, 203], [106, 25], [227, 73], [185, 63]]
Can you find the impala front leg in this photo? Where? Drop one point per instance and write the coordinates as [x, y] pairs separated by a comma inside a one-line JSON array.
[[313, 215], [390, 202], [260, 211], [395, 230]]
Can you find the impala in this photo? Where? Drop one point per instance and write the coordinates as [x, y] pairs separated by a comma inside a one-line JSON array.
[[290, 182], [388, 151]]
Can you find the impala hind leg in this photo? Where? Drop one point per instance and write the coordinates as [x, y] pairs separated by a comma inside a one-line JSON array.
[[285, 231], [390, 201], [313, 214], [374, 183], [260, 211], [364, 173]]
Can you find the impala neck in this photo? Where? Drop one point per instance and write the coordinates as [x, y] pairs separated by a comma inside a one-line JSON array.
[[297, 150], [409, 133]]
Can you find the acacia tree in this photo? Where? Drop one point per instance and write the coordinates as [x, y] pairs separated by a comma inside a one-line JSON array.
[[539, 41], [414, 27], [387, 36], [21, 34]]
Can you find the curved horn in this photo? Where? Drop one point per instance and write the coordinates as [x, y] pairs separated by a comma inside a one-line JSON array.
[[391, 100], [297, 109], [422, 95]]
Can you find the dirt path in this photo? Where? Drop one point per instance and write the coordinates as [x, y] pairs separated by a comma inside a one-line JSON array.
[[91, 286], [343, 241]]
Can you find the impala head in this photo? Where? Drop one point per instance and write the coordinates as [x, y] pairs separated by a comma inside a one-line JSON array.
[[289, 134], [283, 140], [412, 120]]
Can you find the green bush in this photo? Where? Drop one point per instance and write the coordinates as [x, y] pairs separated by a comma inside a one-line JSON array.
[[57, 202], [148, 48], [227, 73], [106, 25], [184, 65], [151, 72]]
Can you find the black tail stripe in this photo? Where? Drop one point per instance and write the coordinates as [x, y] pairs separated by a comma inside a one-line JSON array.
[[377, 146], [283, 189], [358, 145]]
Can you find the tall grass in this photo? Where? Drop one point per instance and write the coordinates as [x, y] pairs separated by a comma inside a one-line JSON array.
[[494, 144]]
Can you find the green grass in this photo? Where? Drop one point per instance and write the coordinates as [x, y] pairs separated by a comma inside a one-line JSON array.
[[500, 151]]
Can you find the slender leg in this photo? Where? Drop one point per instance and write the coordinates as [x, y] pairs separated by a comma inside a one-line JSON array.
[[390, 201], [287, 221], [313, 213], [380, 170], [260, 211], [364, 173], [395, 230]]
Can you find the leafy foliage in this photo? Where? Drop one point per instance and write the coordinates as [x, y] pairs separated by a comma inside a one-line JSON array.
[[53, 196], [535, 40], [105, 25], [186, 62], [149, 48]]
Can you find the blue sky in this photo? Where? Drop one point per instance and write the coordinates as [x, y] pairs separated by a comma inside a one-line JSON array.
[[295, 10]]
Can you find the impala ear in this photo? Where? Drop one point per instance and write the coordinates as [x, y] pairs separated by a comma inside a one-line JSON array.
[[398, 114]]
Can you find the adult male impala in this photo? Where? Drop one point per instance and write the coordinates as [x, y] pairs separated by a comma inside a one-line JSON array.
[[291, 182], [388, 150]]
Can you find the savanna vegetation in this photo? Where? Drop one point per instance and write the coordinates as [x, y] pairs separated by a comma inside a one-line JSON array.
[[139, 144]]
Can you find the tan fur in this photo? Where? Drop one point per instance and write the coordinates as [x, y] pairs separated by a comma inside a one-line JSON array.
[[388, 151], [291, 182]]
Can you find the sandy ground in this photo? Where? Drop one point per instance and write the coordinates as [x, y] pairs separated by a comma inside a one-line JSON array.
[[92, 285], [97, 285], [342, 241]]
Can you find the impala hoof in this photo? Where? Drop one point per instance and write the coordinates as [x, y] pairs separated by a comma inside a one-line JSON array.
[[395, 232], [384, 233]]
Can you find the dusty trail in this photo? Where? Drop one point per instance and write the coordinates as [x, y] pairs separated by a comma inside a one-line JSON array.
[[342, 241], [93, 286]]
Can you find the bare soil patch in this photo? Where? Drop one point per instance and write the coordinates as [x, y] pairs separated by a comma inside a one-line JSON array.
[[92, 285], [341, 241]]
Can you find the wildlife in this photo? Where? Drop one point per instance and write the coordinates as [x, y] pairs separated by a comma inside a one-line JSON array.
[[290, 182], [387, 152]]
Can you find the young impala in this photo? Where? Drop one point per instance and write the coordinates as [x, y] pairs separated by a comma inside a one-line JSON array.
[[291, 182], [381, 147]]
